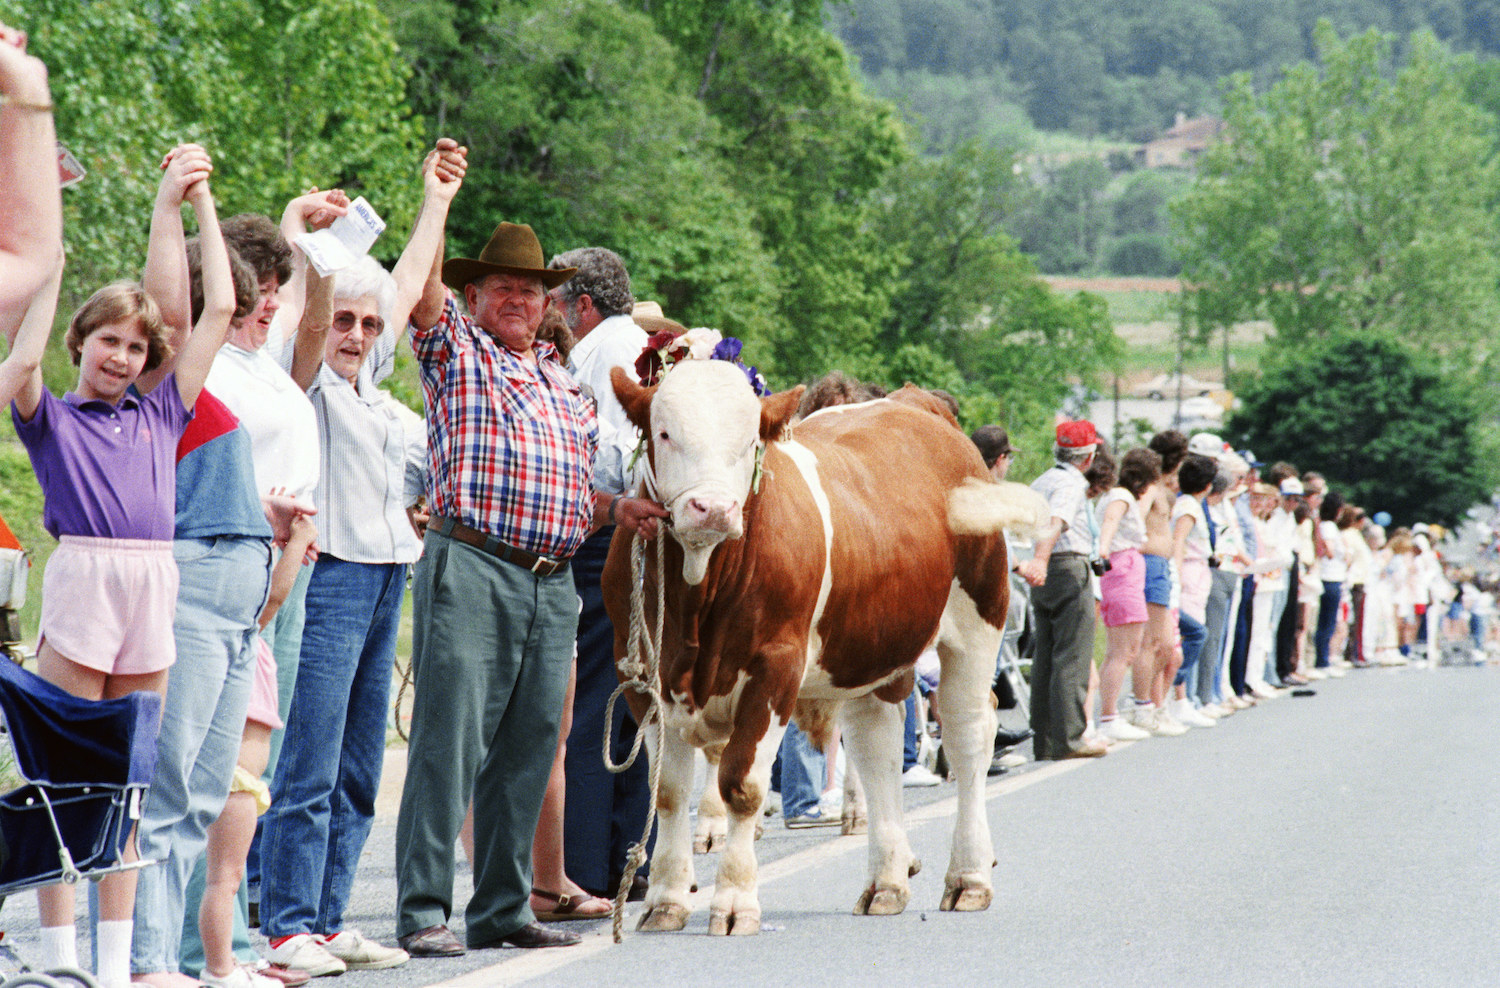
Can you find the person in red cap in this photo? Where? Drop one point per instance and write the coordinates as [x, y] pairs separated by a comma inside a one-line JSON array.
[[1064, 601]]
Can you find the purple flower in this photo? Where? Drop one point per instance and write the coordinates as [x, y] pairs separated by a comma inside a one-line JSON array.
[[728, 349]]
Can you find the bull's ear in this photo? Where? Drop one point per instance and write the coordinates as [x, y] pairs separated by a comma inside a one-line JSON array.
[[777, 411], [635, 399]]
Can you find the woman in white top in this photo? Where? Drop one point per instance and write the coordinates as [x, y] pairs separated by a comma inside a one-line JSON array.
[[1122, 532], [1333, 558]]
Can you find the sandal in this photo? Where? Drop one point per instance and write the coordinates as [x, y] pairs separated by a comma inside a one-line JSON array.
[[570, 907]]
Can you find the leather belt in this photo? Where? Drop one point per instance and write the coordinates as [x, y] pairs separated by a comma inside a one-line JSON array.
[[540, 565]]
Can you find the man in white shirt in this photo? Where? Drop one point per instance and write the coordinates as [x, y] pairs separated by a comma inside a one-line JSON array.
[[602, 812], [1063, 601]]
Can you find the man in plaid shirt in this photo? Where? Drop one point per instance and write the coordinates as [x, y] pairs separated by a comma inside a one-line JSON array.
[[511, 445]]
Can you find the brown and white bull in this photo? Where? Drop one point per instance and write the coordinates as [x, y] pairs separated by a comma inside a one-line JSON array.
[[874, 532]]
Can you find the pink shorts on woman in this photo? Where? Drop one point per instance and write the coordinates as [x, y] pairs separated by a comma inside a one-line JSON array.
[[1123, 589], [107, 604]]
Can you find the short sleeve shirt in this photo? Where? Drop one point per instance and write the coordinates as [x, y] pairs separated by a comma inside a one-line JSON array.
[[108, 471], [510, 442], [1067, 494], [1131, 533]]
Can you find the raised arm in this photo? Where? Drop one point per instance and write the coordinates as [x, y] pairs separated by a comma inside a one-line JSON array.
[[30, 201], [21, 372], [166, 275], [198, 352], [418, 274], [313, 211], [312, 329]]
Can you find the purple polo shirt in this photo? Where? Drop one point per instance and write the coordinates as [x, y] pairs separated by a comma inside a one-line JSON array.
[[107, 471]]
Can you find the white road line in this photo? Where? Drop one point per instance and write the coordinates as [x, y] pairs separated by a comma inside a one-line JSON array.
[[536, 963]]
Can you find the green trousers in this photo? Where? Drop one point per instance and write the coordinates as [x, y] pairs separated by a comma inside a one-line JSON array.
[[491, 651]]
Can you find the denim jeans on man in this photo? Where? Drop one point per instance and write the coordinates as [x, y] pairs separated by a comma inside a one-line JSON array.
[[323, 798], [223, 584], [1328, 614], [803, 771]]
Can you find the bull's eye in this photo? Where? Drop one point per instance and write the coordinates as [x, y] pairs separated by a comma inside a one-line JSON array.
[[664, 436]]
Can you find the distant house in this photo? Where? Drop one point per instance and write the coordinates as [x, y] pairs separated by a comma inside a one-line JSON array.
[[1180, 145]]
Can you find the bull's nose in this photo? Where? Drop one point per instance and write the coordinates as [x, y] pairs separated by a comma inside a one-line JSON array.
[[712, 512]]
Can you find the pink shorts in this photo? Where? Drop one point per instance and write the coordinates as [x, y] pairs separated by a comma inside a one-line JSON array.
[[1123, 587], [107, 604], [263, 695]]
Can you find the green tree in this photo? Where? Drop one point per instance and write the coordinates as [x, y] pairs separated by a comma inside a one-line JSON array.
[[1387, 424], [1349, 201], [583, 121]]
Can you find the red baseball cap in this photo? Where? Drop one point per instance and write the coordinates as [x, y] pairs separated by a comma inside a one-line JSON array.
[[1076, 435]]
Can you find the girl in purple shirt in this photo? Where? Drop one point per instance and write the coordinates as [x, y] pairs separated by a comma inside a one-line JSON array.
[[106, 460]]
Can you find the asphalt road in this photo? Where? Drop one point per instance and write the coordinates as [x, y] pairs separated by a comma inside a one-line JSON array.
[[1347, 838]]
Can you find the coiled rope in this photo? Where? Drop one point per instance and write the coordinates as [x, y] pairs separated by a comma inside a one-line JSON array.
[[641, 671]]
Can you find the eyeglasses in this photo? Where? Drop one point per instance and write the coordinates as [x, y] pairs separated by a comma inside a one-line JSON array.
[[344, 322]]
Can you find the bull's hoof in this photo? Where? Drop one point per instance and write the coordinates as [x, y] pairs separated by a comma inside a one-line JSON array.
[[966, 898], [853, 823], [664, 917], [722, 922], [881, 901], [701, 845], [913, 869]]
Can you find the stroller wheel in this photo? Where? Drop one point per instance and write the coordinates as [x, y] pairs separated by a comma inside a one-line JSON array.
[[66, 976]]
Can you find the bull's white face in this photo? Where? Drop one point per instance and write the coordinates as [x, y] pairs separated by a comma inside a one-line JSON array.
[[705, 426]]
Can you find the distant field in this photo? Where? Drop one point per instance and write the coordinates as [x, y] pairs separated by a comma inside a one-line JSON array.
[[1145, 317]]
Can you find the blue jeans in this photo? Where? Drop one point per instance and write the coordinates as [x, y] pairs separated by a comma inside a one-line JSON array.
[[222, 586], [323, 797], [909, 748], [1328, 615], [1193, 635], [803, 769]]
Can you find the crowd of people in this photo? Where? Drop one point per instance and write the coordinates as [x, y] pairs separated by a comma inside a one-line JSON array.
[[240, 508]]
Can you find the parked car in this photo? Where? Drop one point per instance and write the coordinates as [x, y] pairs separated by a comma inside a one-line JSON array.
[[1165, 386], [1200, 414]]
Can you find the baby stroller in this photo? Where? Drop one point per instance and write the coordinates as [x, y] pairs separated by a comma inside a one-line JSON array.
[[83, 767]]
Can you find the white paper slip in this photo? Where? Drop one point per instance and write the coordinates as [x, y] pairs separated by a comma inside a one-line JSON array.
[[345, 241]]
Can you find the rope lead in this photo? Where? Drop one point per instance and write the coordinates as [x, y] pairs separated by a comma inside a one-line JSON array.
[[641, 667]]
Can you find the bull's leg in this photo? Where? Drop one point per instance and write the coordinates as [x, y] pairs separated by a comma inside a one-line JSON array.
[[967, 647], [672, 861], [744, 779], [713, 825], [855, 818], [872, 730]]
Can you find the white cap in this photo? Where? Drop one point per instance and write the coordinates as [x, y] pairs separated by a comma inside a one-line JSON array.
[[1292, 487], [1206, 444]]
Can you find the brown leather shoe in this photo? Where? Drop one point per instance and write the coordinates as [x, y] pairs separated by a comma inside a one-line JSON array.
[[532, 935], [435, 941], [1088, 749]]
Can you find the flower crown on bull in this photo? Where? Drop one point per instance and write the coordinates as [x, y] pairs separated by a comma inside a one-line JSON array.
[[666, 347]]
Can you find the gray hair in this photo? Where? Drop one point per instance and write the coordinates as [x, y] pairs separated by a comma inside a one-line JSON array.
[[601, 276], [367, 279], [1076, 457], [1224, 479]]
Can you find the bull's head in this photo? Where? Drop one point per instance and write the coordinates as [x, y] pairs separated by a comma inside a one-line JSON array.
[[704, 429]]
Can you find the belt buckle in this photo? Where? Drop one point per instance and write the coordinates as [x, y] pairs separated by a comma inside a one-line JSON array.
[[540, 561]]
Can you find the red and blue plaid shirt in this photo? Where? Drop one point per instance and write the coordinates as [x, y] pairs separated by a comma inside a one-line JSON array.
[[510, 443]]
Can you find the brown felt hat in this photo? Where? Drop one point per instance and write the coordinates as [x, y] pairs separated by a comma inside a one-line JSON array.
[[513, 249]]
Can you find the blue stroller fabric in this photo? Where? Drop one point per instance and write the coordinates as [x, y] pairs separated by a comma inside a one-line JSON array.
[[89, 760]]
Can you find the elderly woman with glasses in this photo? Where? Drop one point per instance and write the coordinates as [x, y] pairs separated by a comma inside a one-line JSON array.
[[374, 457]]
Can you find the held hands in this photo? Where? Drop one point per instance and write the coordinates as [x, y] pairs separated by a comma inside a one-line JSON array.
[[185, 172], [283, 512], [22, 77], [444, 167], [302, 539], [317, 210], [1032, 571]]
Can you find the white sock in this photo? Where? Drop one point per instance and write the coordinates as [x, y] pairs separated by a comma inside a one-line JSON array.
[[114, 951], [59, 947]]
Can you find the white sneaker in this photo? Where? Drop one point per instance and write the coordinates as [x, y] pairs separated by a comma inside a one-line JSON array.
[[1119, 729], [1012, 759], [1184, 711], [1337, 672], [1314, 674], [831, 803], [305, 952], [239, 977], [917, 775], [360, 954], [1261, 691], [1169, 726]]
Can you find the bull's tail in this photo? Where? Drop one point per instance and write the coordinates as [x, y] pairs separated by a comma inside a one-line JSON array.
[[983, 507]]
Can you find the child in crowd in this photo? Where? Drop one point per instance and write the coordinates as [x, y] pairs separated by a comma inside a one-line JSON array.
[[105, 459], [1191, 552], [229, 837]]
